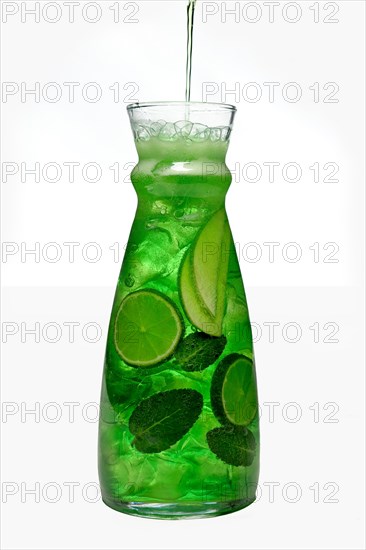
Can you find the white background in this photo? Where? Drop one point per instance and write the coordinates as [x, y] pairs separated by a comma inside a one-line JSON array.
[[311, 378]]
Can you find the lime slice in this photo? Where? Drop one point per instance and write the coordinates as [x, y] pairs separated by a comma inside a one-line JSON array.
[[147, 329], [203, 276], [234, 391]]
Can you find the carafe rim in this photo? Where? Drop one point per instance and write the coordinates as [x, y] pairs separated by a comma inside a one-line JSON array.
[[206, 105]]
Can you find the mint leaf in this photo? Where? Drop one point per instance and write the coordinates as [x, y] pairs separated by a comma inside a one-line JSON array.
[[162, 419], [234, 445], [199, 350]]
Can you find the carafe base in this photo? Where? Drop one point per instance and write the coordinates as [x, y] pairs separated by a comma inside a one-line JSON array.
[[178, 510]]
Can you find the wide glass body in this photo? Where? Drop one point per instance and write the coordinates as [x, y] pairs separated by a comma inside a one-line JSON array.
[[179, 431]]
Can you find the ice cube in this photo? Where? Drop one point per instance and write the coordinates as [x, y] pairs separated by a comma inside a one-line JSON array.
[[199, 132], [183, 127], [215, 134], [142, 133], [168, 132], [160, 207], [156, 126]]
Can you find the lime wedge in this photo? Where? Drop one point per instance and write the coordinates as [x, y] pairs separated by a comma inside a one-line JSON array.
[[147, 329], [193, 305], [210, 263], [234, 391], [203, 275]]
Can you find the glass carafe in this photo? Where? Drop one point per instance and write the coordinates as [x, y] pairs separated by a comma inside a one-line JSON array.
[[179, 431]]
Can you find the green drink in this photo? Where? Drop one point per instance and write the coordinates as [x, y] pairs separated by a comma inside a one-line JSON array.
[[179, 432]]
